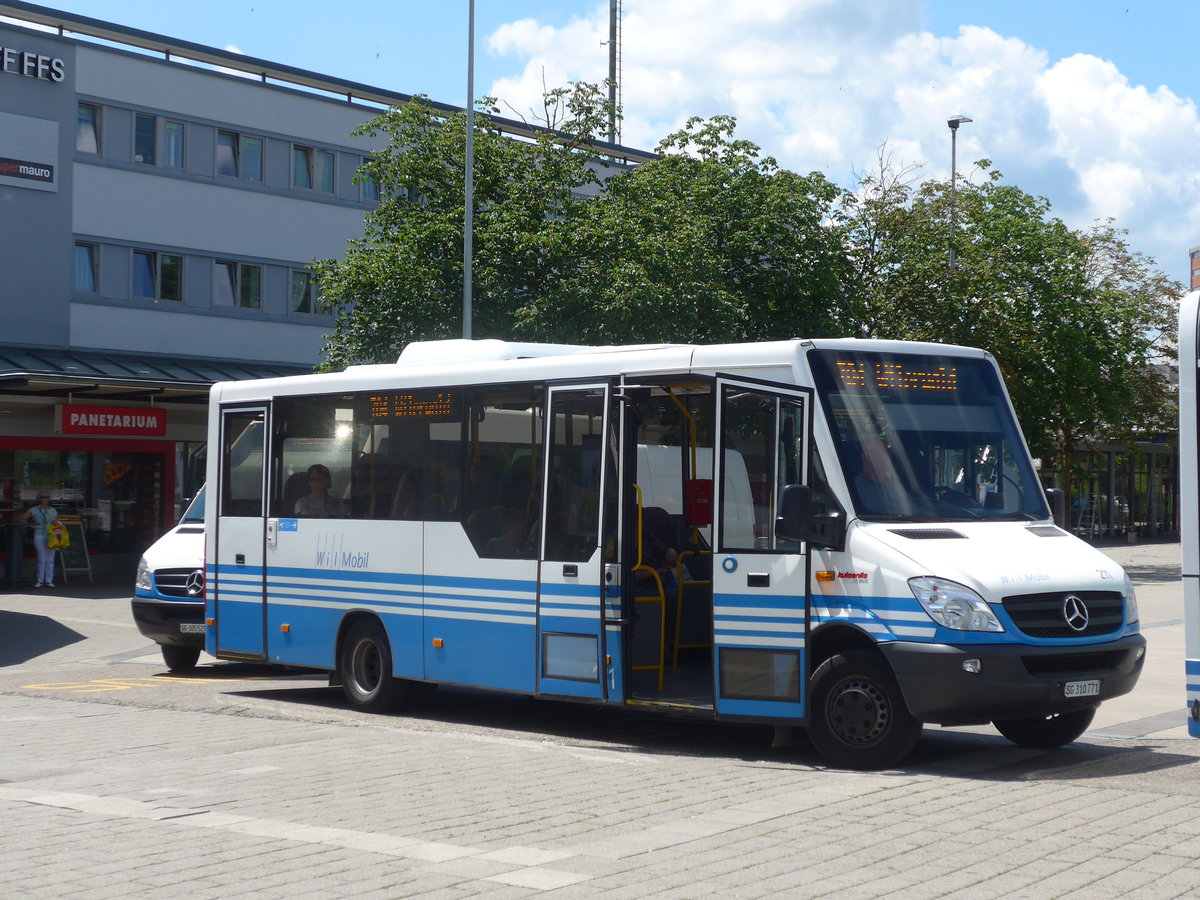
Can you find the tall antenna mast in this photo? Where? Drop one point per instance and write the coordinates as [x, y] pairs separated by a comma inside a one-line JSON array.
[[614, 70]]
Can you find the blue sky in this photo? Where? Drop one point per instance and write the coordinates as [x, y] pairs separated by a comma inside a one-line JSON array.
[[1092, 104]]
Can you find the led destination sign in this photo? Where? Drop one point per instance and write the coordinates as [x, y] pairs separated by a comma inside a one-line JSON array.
[[429, 405], [893, 375]]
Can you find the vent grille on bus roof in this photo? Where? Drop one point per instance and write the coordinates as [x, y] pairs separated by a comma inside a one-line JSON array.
[[928, 534]]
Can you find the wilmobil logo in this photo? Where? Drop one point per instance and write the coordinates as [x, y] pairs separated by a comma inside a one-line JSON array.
[[332, 555]]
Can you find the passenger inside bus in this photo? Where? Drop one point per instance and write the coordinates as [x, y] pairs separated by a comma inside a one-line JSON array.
[[318, 501]]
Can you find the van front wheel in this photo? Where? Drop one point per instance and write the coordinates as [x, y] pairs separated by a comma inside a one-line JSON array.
[[180, 659], [366, 669], [859, 720], [1046, 732]]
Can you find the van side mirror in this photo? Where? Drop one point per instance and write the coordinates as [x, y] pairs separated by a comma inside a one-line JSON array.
[[796, 521], [795, 511]]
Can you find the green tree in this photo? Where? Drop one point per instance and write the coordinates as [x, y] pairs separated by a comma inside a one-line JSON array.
[[1077, 321], [402, 281], [709, 243]]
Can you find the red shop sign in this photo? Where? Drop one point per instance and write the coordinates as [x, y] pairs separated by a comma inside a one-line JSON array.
[[125, 421]]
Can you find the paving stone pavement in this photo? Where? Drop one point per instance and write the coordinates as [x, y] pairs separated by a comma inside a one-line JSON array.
[[105, 800]]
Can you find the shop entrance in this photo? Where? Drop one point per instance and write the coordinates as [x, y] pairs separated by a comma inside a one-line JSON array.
[[121, 490]]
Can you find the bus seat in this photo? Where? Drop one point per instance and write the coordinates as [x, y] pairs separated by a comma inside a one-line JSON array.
[[294, 488]]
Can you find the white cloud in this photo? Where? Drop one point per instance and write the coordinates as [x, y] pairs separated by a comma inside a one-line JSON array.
[[821, 83]]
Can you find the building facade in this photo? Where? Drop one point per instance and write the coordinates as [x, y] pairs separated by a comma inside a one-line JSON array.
[[160, 202]]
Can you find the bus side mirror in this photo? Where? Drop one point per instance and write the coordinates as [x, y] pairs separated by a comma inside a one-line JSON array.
[[796, 521], [795, 512]]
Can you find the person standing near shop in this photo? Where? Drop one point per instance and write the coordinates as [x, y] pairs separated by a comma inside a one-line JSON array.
[[40, 517]]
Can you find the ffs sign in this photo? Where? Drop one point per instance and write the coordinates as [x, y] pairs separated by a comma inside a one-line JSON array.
[[32, 65]]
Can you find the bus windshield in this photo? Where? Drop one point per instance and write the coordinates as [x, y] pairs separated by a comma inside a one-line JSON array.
[[925, 437]]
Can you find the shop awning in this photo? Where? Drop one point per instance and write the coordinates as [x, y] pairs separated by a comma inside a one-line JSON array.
[[109, 375]]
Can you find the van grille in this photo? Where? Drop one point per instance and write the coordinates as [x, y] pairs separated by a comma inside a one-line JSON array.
[[1041, 615], [173, 583]]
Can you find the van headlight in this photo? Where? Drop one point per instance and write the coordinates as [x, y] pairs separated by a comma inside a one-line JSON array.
[[954, 605], [1131, 607], [142, 581]]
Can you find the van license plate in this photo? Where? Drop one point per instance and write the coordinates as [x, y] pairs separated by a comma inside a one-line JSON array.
[[198, 628], [1082, 688]]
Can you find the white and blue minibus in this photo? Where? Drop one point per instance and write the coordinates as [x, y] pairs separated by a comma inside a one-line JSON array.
[[1189, 492], [844, 535]]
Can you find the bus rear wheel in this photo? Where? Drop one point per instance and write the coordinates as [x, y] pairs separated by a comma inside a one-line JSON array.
[[859, 720], [1046, 732], [366, 669]]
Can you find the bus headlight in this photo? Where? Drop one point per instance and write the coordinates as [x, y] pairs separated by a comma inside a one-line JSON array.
[[954, 605], [142, 581], [1131, 607]]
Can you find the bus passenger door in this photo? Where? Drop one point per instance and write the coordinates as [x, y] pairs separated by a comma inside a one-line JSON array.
[[760, 581], [236, 584], [570, 649]]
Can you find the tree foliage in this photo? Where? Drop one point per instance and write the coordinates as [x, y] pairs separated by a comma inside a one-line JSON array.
[[714, 242], [1076, 320], [708, 243], [403, 280]]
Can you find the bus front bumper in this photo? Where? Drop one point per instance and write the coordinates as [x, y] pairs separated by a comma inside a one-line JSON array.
[[170, 621], [1014, 681]]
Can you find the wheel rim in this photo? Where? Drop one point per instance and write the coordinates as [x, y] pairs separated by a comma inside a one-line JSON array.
[[859, 712], [366, 666]]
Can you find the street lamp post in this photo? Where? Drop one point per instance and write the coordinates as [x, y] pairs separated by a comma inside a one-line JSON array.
[[469, 178], [954, 122]]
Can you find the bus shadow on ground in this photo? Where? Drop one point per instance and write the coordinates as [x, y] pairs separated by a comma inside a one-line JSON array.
[[941, 752], [25, 636]]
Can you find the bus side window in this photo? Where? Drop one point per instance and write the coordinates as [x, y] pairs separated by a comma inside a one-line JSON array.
[[500, 502]]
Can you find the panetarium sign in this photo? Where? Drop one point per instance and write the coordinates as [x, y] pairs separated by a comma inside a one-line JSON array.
[[124, 421], [32, 65]]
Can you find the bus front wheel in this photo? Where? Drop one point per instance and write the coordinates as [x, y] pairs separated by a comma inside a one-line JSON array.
[[366, 669], [859, 720], [1046, 732], [180, 659]]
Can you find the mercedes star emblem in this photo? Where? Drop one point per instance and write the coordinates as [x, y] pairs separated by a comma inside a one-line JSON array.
[[195, 585], [1075, 613]]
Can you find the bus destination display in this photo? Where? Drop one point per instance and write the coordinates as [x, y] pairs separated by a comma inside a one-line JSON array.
[[430, 405], [895, 376]]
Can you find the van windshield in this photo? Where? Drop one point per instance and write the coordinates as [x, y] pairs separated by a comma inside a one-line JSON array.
[[924, 437], [195, 510]]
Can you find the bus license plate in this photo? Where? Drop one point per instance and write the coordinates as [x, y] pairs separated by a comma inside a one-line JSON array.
[[1082, 688], [198, 628]]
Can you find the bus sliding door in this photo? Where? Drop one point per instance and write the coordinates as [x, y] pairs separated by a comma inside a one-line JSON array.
[[236, 588], [760, 581], [570, 649]]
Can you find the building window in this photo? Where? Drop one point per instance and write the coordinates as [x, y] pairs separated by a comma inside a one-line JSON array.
[[312, 169], [144, 134], [368, 186], [85, 268], [157, 276], [239, 156], [173, 133], [303, 293], [238, 284], [87, 128]]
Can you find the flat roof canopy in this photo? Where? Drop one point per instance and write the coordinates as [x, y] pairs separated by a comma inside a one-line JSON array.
[[110, 375]]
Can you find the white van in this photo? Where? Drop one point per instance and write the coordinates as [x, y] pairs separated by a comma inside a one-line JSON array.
[[168, 595]]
